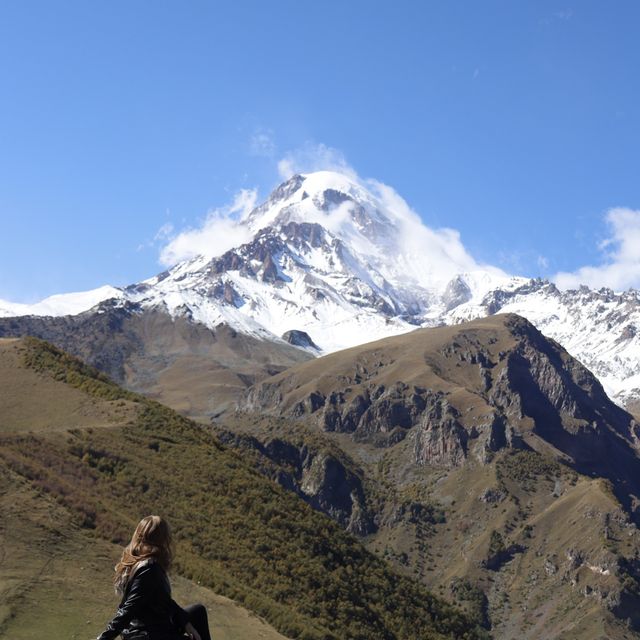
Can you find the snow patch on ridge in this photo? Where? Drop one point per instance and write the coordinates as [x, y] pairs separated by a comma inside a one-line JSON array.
[[65, 304]]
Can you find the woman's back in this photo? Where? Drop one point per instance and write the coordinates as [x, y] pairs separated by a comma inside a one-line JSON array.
[[146, 609]]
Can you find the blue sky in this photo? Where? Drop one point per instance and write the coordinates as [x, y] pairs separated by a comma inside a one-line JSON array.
[[516, 123]]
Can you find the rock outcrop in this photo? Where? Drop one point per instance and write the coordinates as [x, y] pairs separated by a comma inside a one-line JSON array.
[[300, 339], [322, 479]]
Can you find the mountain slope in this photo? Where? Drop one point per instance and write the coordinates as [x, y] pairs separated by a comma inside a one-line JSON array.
[[196, 370], [471, 388], [600, 328], [237, 533], [61, 304], [492, 464]]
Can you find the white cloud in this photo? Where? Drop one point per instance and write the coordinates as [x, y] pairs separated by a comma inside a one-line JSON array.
[[164, 232], [620, 267], [426, 254], [314, 157], [429, 254], [219, 232]]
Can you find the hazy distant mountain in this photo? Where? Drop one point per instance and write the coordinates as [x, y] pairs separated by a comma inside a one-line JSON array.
[[197, 370]]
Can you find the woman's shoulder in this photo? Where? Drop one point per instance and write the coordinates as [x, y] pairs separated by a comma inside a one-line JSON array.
[[144, 574], [149, 565], [142, 564], [146, 569]]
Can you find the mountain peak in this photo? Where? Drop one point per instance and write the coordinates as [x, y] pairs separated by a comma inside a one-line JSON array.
[[380, 234], [334, 200], [318, 181]]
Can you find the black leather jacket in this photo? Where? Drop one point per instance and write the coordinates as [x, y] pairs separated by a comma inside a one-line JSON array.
[[147, 610]]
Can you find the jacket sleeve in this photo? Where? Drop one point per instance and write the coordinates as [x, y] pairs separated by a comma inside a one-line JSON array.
[[179, 616], [137, 595]]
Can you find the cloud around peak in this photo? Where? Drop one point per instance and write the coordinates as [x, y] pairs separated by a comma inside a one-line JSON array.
[[432, 253], [312, 157], [218, 232]]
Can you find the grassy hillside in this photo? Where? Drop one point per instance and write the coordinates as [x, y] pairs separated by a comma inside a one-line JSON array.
[[51, 404], [238, 533]]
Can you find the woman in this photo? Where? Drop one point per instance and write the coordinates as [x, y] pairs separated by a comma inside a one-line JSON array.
[[147, 611]]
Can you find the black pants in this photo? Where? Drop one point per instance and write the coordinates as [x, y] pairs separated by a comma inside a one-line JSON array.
[[198, 618]]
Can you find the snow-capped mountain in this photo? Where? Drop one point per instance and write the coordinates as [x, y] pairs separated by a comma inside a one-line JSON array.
[[347, 262], [330, 258]]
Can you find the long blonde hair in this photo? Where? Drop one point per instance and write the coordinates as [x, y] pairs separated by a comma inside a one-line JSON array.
[[151, 540]]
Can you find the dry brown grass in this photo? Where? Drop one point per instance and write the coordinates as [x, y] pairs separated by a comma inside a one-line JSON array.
[[32, 401]]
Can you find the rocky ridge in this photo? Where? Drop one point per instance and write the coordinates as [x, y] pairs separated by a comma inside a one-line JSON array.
[[494, 467], [457, 392], [323, 477]]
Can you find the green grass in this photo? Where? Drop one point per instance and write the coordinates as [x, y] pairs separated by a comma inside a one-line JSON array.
[[45, 358]]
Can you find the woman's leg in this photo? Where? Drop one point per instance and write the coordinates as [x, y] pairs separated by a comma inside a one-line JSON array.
[[199, 619]]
